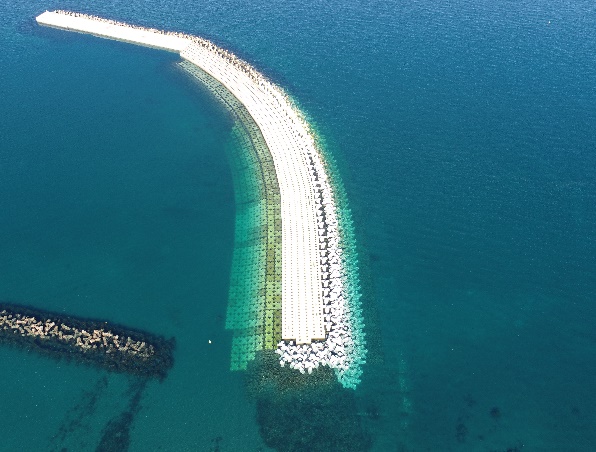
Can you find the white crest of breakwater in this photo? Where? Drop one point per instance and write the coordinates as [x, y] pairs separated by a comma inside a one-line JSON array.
[[321, 316]]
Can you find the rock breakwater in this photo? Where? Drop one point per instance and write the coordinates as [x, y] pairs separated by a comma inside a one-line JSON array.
[[94, 342]]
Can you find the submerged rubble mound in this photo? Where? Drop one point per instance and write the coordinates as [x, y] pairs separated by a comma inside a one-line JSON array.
[[318, 420], [300, 412], [265, 376], [100, 343]]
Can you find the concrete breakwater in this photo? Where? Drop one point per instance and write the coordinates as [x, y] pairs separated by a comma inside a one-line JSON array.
[[94, 342], [316, 271]]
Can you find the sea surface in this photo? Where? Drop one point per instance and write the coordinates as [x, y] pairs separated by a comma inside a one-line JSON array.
[[466, 136]]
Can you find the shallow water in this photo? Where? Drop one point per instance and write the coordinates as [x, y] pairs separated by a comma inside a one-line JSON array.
[[465, 134]]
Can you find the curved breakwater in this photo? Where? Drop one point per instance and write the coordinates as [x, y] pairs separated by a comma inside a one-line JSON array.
[[295, 276]]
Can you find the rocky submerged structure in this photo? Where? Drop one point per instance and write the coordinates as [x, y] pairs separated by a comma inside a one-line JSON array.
[[94, 342], [302, 297]]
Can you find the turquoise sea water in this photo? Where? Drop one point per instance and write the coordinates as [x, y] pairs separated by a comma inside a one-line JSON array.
[[465, 132]]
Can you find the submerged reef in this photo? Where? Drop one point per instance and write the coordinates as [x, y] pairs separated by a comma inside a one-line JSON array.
[[300, 412], [116, 434], [95, 342], [77, 419]]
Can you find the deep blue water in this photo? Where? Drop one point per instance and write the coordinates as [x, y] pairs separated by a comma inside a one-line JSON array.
[[466, 132]]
